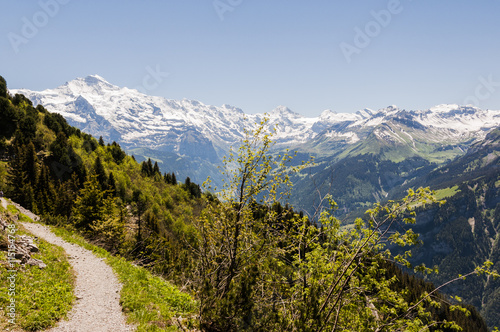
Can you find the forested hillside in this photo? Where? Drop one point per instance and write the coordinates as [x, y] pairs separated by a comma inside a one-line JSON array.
[[464, 231], [252, 262], [73, 179]]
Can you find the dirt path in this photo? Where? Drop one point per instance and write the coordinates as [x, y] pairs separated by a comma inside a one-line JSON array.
[[97, 289]]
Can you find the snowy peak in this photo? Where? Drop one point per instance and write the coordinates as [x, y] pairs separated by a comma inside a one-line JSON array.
[[90, 84], [138, 120], [93, 80], [365, 113], [283, 111]]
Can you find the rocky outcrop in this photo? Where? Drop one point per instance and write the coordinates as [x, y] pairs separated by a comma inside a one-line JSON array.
[[23, 246]]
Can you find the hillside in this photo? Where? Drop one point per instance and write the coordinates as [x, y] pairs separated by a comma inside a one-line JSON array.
[[242, 256], [465, 231]]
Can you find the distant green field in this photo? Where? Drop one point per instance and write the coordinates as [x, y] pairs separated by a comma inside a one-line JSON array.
[[447, 192]]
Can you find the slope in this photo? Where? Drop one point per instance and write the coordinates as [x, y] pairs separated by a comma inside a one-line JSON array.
[[74, 181], [465, 231]]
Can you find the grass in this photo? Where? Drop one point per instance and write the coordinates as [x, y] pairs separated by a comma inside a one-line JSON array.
[[12, 209], [447, 192], [42, 296], [149, 301]]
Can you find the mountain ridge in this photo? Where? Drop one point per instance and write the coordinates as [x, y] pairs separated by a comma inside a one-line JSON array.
[[141, 120], [197, 136]]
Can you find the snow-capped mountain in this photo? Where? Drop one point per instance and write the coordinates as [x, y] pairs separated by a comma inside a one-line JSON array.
[[138, 120], [193, 129]]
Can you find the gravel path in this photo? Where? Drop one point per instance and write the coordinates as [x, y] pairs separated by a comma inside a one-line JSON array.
[[97, 308]]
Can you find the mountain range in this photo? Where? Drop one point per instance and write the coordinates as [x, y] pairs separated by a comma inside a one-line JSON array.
[[138, 120], [190, 138]]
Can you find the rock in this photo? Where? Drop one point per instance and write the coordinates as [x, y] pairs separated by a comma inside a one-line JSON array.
[[36, 262], [3, 224], [27, 242], [24, 245]]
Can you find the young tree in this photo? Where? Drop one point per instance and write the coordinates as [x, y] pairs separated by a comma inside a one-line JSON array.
[[232, 246], [96, 213], [91, 207]]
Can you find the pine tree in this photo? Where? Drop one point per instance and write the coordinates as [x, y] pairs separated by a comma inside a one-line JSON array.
[[45, 192], [167, 178], [100, 173], [59, 149], [67, 192], [111, 184], [149, 165], [117, 152], [91, 207], [144, 169], [26, 130], [156, 169], [23, 175]]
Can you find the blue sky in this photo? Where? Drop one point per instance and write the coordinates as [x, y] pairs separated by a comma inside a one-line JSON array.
[[256, 54]]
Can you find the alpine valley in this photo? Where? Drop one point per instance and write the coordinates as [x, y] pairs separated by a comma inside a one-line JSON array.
[[360, 158]]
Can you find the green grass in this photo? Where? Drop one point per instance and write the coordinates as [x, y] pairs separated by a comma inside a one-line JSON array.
[[12, 209], [447, 192], [43, 296], [149, 301]]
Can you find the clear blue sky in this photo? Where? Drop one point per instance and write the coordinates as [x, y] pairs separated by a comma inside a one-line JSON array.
[[258, 54]]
